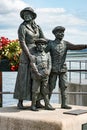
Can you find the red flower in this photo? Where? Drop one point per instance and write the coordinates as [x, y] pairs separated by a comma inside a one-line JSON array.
[[10, 49], [4, 41], [13, 68]]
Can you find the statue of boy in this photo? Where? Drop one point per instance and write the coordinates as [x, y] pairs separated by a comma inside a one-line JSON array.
[[40, 81], [58, 50]]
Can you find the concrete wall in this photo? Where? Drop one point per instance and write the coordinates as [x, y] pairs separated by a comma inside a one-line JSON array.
[[77, 99]]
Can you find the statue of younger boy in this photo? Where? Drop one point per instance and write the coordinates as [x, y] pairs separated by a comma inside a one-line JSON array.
[[40, 79]]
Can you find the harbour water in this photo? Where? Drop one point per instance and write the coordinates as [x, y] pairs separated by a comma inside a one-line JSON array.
[[9, 79]]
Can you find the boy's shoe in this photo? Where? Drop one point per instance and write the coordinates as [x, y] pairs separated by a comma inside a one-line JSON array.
[[34, 108], [66, 107], [39, 105], [49, 107]]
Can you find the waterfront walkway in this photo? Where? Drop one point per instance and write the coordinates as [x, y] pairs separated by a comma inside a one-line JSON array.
[[12, 118]]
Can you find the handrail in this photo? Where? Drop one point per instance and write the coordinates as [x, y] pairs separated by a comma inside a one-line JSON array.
[[77, 70], [76, 60], [80, 93], [7, 92]]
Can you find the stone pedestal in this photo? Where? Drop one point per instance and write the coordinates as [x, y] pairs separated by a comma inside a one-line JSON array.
[[12, 118]]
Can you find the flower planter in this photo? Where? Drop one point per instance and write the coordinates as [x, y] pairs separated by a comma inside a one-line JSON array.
[[10, 51], [4, 65]]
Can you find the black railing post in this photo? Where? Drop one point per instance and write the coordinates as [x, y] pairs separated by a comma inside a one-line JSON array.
[[85, 69], [0, 89], [70, 71], [80, 71]]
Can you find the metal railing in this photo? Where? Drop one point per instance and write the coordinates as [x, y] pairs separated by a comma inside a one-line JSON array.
[[70, 70], [82, 69]]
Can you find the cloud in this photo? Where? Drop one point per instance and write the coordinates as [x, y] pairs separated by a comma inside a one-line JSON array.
[[76, 36], [58, 16], [9, 33], [50, 10], [47, 18], [8, 6], [9, 16]]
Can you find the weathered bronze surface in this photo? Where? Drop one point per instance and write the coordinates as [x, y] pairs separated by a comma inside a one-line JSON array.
[[58, 50], [28, 31]]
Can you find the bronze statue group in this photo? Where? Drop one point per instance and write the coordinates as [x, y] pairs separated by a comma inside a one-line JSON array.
[[42, 60]]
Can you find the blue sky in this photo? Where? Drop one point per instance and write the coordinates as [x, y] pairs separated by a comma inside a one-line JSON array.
[[75, 4], [72, 14]]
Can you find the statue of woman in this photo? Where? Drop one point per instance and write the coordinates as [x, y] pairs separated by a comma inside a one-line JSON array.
[[28, 32]]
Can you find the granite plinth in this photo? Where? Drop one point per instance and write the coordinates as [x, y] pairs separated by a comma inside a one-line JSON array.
[[12, 118]]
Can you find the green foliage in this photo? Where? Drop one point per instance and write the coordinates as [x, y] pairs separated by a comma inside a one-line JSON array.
[[11, 51]]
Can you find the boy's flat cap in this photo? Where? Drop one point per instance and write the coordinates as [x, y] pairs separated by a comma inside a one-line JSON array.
[[57, 29]]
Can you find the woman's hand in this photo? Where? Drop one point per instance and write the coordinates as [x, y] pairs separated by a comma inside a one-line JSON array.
[[39, 76], [32, 58]]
